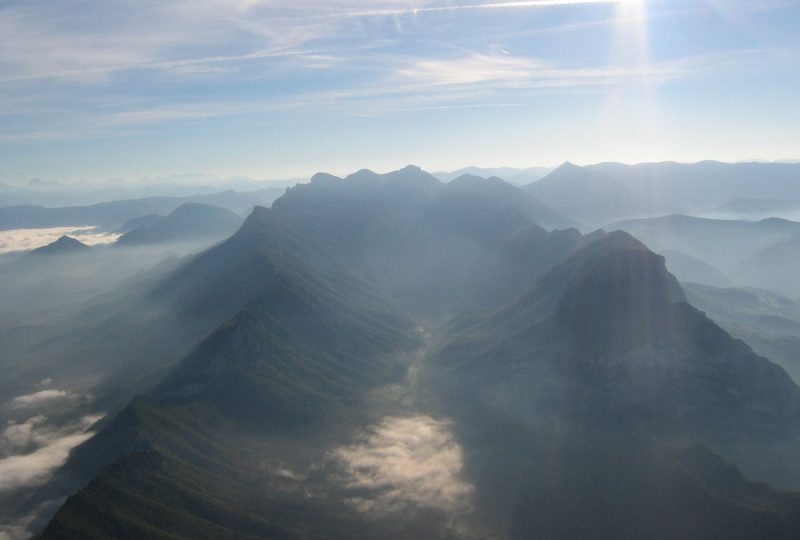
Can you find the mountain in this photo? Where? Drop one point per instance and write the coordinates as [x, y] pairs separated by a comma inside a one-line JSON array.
[[190, 221], [110, 216], [497, 196], [689, 269], [774, 267], [299, 357], [135, 223], [419, 243], [589, 196], [65, 245], [188, 187], [579, 400], [509, 174], [757, 209], [707, 184], [612, 311], [363, 360], [767, 321], [723, 244]]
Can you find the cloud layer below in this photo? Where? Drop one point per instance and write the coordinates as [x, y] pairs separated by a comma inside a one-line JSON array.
[[52, 446], [27, 239], [406, 463]]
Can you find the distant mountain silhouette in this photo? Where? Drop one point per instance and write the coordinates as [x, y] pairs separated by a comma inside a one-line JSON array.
[[472, 201], [691, 269], [757, 254], [111, 216], [775, 267], [190, 221], [705, 184], [509, 174], [721, 243], [756, 209], [767, 321], [135, 223], [587, 195], [65, 245]]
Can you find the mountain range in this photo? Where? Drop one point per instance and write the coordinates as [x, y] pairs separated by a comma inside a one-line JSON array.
[[391, 356]]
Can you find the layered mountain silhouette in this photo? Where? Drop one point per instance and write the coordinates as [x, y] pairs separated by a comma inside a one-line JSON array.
[[190, 221], [587, 195], [767, 321], [111, 216], [607, 192], [760, 208], [706, 184], [585, 396], [518, 177], [775, 266], [752, 253]]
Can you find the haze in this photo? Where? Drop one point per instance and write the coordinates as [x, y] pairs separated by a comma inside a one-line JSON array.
[[399, 269]]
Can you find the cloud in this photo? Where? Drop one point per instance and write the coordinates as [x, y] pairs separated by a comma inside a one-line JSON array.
[[120, 69], [27, 239], [37, 398], [18, 438], [405, 463], [18, 529], [51, 447]]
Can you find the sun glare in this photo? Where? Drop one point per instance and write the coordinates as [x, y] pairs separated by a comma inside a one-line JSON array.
[[630, 113]]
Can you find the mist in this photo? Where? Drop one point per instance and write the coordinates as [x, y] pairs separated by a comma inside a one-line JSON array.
[[398, 354]]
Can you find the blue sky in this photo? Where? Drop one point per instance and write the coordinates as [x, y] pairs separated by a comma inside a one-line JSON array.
[[92, 90]]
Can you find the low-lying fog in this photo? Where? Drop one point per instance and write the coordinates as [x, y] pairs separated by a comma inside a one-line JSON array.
[[27, 239]]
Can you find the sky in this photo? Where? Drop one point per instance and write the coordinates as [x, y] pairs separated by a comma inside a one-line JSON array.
[[92, 90]]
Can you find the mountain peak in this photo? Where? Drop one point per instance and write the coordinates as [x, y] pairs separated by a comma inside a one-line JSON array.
[[363, 175], [324, 178], [568, 166], [64, 245], [467, 179]]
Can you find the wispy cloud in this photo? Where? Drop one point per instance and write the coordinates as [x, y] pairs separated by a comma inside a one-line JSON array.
[[37, 398], [90, 70], [406, 462], [37, 449]]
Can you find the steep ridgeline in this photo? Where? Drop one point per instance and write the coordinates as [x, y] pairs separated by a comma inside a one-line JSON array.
[[293, 365], [432, 246], [203, 456], [582, 405], [318, 253], [577, 378]]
